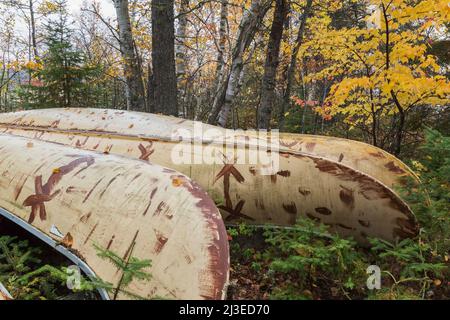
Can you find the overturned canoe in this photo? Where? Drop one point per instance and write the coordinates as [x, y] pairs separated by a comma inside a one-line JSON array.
[[290, 185], [130, 207]]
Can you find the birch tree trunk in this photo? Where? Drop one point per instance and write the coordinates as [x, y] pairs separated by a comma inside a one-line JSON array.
[[271, 64], [223, 27], [247, 29], [163, 57], [293, 63], [33, 30], [133, 74]]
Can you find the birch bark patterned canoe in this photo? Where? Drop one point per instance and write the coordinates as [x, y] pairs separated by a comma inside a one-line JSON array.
[[131, 207], [339, 193]]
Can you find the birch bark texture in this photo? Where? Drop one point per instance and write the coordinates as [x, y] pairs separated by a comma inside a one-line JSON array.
[[133, 74], [248, 26]]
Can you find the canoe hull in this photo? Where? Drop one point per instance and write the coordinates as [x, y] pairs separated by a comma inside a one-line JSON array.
[[303, 184], [130, 207]]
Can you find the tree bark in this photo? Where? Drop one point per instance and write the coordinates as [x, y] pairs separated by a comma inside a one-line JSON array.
[[163, 56], [220, 69], [247, 29], [402, 116], [133, 74], [271, 64], [293, 63], [33, 31], [180, 53]]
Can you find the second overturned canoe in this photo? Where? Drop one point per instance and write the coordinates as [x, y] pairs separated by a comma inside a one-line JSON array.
[[304, 184], [133, 208]]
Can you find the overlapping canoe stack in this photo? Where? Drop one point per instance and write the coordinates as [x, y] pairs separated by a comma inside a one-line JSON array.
[[139, 184]]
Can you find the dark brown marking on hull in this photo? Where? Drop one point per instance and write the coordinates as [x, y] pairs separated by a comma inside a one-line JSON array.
[[344, 226], [378, 155], [347, 197], [85, 217], [110, 242], [365, 224], [304, 192], [108, 185], [92, 190], [146, 152], [290, 208], [393, 168], [19, 188], [284, 173], [125, 256], [313, 217], [90, 233], [324, 211], [160, 242]]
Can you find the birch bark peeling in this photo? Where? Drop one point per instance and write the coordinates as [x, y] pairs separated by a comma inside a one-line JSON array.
[[248, 26], [133, 74]]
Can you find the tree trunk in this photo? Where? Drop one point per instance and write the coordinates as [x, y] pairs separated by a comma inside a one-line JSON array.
[[163, 56], [180, 53], [271, 65], [220, 69], [33, 31], [400, 109], [133, 74], [293, 63], [247, 29], [150, 90]]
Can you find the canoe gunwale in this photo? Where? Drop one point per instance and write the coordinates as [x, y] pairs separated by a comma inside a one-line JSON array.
[[55, 245], [389, 155]]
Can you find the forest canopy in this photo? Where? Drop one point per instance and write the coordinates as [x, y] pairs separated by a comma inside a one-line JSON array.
[[374, 70]]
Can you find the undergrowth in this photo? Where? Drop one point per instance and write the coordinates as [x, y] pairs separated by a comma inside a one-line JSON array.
[[311, 262]]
